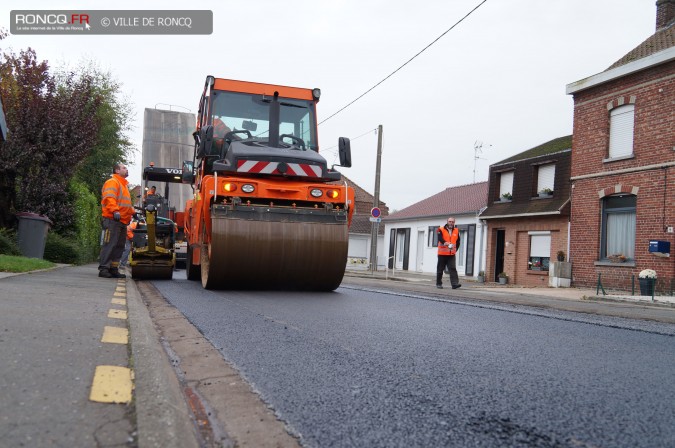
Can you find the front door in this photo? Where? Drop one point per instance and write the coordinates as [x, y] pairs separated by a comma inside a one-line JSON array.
[[499, 253], [400, 248], [419, 264]]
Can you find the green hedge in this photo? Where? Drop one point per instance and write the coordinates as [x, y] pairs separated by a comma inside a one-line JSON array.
[[59, 249], [87, 212], [8, 243]]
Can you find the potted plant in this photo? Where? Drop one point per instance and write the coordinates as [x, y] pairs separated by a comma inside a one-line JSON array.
[[647, 278], [617, 258], [545, 193], [481, 277], [503, 278], [561, 255], [506, 197]]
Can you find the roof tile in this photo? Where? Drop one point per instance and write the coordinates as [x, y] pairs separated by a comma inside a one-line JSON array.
[[451, 201]]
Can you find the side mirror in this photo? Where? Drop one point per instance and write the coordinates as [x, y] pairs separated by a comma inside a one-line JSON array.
[[345, 152], [205, 142], [187, 176]]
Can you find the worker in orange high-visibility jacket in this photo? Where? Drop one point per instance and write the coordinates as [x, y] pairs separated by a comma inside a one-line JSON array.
[[117, 212], [448, 243]]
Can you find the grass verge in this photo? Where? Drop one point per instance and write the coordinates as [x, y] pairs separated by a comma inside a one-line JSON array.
[[11, 263]]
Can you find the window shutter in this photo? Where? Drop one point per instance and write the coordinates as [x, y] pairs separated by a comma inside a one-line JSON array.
[[621, 124], [540, 246], [506, 183], [546, 177]]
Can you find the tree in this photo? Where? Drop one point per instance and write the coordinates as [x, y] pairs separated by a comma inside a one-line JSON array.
[[52, 128], [112, 145]]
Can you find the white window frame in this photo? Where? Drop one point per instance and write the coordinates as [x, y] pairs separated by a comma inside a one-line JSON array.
[[506, 183], [540, 250], [546, 177], [621, 130]]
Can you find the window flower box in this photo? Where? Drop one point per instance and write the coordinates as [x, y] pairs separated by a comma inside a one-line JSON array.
[[617, 258]]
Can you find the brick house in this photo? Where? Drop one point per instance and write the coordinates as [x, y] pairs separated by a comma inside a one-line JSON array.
[[528, 213], [623, 162]]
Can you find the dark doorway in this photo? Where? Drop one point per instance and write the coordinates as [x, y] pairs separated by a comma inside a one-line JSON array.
[[499, 253]]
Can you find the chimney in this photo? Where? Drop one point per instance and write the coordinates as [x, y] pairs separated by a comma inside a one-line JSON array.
[[665, 13]]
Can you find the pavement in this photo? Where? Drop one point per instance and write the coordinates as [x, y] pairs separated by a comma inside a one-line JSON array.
[[55, 328]]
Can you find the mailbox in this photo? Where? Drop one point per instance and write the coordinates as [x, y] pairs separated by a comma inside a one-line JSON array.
[[660, 248]]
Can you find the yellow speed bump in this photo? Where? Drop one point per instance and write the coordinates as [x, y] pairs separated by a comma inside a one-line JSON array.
[[112, 384], [115, 335]]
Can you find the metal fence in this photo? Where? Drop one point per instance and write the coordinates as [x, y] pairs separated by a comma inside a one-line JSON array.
[[644, 288]]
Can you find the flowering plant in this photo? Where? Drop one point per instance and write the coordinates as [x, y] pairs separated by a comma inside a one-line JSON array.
[[647, 273], [617, 258], [546, 191]]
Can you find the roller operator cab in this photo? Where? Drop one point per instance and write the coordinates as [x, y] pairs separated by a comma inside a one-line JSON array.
[[268, 211]]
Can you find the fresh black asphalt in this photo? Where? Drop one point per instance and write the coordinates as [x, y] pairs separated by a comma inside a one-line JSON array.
[[365, 368]]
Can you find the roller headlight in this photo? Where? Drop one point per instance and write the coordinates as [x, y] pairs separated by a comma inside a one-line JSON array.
[[247, 188], [316, 193], [333, 194], [229, 186]]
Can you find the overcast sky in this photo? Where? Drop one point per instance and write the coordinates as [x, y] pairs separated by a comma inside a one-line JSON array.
[[499, 77]]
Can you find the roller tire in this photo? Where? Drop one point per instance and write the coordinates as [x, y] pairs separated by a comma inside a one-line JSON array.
[[205, 266], [280, 255]]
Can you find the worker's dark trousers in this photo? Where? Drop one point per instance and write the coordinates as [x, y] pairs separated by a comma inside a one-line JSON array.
[[113, 239], [449, 261]]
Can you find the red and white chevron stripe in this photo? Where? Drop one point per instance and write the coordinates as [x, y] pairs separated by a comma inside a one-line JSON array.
[[263, 167]]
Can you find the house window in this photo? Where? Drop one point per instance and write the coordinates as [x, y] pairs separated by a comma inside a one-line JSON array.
[[506, 184], [621, 124], [540, 251], [618, 226], [432, 240], [460, 256], [545, 177]]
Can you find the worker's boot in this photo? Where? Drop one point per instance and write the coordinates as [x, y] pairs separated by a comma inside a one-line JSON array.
[[105, 273], [115, 273]]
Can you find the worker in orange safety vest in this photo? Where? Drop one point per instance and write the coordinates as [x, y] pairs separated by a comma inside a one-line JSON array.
[[448, 243], [117, 210]]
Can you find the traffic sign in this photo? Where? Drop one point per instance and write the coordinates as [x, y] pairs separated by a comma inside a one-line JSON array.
[[375, 212], [375, 219]]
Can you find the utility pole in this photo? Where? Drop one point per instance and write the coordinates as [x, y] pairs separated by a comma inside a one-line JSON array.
[[376, 203]]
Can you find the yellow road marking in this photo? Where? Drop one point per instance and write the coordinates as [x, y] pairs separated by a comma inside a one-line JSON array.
[[111, 384], [119, 294], [119, 301], [117, 314], [115, 335]]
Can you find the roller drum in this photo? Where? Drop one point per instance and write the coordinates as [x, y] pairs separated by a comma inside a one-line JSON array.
[[150, 272], [268, 254]]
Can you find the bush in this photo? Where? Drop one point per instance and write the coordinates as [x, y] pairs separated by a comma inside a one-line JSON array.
[[59, 249], [8, 244], [87, 220]]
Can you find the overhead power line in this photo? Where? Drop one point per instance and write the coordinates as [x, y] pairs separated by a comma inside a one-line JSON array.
[[406, 63]]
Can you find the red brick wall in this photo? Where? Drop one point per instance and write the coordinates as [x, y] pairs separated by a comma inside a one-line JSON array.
[[653, 144], [517, 250]]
